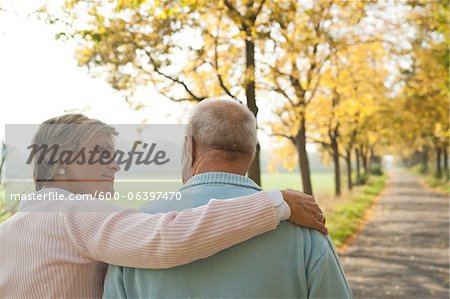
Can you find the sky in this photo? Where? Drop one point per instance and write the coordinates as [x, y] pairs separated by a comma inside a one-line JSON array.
[[40, 78]]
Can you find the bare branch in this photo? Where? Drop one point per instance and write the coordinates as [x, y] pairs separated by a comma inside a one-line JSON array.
[[313, 92], [283, 135], [320, 142], [271, 134], [283, 121], [235, 15], [258, 10], [180, 100], [288, 76], [175, 80]]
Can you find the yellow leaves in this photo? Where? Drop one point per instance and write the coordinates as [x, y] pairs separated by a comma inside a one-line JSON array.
[[84, 55], [425, 100], [289, 126], [129, 4], [441, 132], [161, 13], [295, 37], [285, 155], [69, 4]]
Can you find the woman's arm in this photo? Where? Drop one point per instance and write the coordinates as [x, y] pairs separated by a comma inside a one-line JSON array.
[[127, 237]]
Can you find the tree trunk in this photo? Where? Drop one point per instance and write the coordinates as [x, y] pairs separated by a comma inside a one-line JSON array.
[[438, 162], [255, 169], [415, 159], [358, 167], [303, 159], [371, 159], [348, 162], [418, 158], [447, 174], [364, 160], [337, 167], [424, 160]]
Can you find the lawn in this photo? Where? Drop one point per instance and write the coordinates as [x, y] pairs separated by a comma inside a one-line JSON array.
[[323, 183], [345, 218]]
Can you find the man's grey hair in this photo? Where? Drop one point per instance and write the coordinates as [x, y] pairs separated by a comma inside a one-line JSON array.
[[224, 125], [69, 132]]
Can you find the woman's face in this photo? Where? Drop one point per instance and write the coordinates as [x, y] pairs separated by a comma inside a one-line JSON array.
[[94, 176]]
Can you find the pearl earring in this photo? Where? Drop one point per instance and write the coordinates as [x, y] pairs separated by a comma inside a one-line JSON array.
[[62, 171]]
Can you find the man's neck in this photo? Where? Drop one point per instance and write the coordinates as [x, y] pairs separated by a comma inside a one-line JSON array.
[[212, 163]]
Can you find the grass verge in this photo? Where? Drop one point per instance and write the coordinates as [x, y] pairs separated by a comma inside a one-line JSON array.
[[345, 219], [438, 184], [430, 180]]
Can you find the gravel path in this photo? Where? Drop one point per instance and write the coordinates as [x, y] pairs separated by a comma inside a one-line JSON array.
[[403, 251]]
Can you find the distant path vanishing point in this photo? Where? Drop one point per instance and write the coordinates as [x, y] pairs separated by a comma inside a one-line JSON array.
[[403, 251]]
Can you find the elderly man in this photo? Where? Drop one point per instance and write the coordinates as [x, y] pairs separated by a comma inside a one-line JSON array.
[[289, 262]]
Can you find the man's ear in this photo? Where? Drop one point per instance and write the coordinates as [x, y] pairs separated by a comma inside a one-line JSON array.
[[187, 158], [189, 149], [194, 150]]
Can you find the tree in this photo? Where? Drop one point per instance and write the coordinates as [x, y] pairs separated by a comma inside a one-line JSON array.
[[137, 43], [424, 96], [351, 95], [303, 37]]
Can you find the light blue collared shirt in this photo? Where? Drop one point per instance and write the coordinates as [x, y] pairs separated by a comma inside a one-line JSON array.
[[290, 262]]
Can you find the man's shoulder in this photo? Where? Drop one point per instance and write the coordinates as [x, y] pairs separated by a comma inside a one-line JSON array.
[[312, 241], [312, 234], [316, 246]]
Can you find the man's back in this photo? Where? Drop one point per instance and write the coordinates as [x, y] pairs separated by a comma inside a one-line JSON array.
[[288, 262]]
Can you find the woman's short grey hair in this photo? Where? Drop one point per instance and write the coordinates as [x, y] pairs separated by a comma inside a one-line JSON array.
[[224, 125], [69, 132]]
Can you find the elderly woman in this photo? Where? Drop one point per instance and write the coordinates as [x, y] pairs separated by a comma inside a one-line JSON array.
[[59, 248]]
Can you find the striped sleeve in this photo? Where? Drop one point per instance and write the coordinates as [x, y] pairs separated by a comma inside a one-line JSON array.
[[130, 238]]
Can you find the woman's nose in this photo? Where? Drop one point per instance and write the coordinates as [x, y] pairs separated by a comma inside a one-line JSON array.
[[114, 166]]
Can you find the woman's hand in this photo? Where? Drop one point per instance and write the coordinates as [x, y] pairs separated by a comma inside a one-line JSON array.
[[304, 210]]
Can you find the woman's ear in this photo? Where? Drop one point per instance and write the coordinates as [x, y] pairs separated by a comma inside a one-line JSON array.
[[60, 170]]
